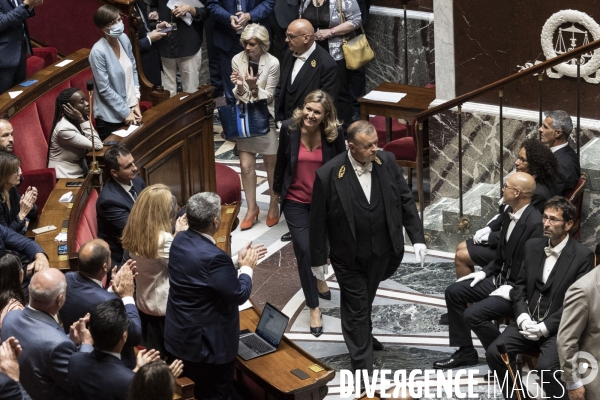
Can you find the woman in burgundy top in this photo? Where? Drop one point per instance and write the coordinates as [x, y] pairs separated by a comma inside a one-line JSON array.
[[306, 141]]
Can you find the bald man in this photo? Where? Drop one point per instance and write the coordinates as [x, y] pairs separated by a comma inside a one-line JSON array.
[[305, 67], [490, 288], [86, 292], [6, 136], [46, 347]]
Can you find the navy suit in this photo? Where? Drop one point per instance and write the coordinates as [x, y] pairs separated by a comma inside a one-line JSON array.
[[10, 240], [112, 210], [202, 323], [14, 43], [11, 389], [568, 166], [98, 375], [83, 294], [151, 62], [46, 353]]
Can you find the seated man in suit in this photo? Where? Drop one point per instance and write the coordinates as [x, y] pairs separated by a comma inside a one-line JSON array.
[[489, 289], [202, 324], [101, 374], [550, 266], [46, 348], [116, 198], [554, 133], [86, 291], [10, 387]]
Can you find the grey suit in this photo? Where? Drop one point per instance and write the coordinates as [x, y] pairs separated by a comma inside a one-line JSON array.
[[46, 353]]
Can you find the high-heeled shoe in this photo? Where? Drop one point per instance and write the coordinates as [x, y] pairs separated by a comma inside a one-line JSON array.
[[316, 332], [272, 221], [247, 223], [325, 295]]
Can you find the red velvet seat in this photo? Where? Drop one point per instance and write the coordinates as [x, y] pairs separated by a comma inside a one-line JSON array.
[[87, 226], [145, 106], [48, 54], [398, 130], [34, 64], [229, 187]]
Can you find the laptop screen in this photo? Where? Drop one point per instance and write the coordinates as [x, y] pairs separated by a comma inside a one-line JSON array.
[[272, 324]]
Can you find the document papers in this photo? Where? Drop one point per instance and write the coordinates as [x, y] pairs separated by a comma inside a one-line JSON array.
[[388, 97], [125, 133]]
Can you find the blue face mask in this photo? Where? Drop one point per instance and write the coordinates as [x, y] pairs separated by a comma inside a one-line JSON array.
[[117, 29]]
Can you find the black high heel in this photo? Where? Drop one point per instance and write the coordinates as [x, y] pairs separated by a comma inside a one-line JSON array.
[[316, 332]]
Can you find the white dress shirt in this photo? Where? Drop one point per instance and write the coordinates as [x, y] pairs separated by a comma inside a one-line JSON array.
[[364, 177], [560, 146], [127, 188], [512, 224], [301, 59], [551, 260]]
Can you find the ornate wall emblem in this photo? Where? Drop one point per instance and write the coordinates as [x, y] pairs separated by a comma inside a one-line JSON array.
[[565, 31]]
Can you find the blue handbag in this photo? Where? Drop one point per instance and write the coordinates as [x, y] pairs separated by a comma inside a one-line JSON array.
[[245, 119]]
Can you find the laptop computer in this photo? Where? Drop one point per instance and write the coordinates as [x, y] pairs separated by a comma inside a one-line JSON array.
[[268, 334]]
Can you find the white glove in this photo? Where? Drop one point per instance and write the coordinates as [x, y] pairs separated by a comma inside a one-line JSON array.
[[476, 276], [532, 330], [503, 291], [420, 251], [482, 235]]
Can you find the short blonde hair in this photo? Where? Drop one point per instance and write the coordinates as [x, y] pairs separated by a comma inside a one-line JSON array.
[[150, 214], [258, 32], [330, 122]]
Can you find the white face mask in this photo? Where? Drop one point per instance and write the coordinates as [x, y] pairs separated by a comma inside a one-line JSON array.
[[116, 30]]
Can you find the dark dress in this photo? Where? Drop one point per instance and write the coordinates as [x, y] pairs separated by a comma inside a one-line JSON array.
[[10, 218]]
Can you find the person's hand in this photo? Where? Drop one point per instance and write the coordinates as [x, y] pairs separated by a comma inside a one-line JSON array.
[[243, 18], [420, 251], [503, 291], [27, 202], [72, 113], [79, 333], [237, 79], [180, 10], [14, 344], [251, 79], [126, 276], [476, 276], [532, 331], [233, 20], [137, 112], [162, 25], [144, 357], [248, 257], [8, 360], [482, 235], [181, 224], [261, 250], [130, 119], [577, 394], [155, 35], [153, 16], [39, 263], [323, 34], [176, 368], [33, 3]]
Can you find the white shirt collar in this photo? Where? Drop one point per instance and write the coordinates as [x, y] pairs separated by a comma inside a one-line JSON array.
[[111, 353], [559, 247], [521, 211], [98, 282], [355, 164], [308, 52], [127, 188], [206, 236], [560, 146]]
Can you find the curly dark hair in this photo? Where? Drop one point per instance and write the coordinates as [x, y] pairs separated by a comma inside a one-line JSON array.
[[542, 162]]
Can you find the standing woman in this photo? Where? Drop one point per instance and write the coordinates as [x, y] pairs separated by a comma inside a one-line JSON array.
[[251, 86], [306, 141], [117, 90], [324, 15], [148, 237], [71, 137]]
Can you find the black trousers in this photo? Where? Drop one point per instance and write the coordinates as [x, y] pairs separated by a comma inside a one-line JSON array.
[[547, 362], [10, 77], [211, 381], [213, 58], [278, 44], [479, 316], [297, 216], [358, 285], [105, 128], [344, 99], [153, 332]]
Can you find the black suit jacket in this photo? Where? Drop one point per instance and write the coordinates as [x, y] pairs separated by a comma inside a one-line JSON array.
[[331, 215], [287, 156], [509, 255], [12, 28], [83, 295], [11, 389], [151, 61], [568, 165], [112, 210], [323, 75], [574, 261], [98, 376], [286, 11], [9, 218]]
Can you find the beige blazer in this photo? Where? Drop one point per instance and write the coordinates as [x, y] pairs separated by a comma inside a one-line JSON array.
[[268, 78], [580, 328], [68, 146]]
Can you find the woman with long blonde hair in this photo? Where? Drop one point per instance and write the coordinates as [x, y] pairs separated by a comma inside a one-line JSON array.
[[148, 237], [306, 141]]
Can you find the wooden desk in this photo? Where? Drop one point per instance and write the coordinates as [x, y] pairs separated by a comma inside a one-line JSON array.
[[54, 213], [269, 376], [416, 100]]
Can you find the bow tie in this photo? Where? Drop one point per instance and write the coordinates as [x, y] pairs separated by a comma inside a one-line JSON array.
[[513, 217], [363, 169], [299, 57], [551, 252]]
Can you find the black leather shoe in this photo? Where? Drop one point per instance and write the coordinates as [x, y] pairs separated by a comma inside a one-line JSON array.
[[444, 319], [286, 237], [316, 332], [376, 344], [458, 359], [325, 295]]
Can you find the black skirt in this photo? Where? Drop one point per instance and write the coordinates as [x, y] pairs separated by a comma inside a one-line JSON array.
[[481, 255]]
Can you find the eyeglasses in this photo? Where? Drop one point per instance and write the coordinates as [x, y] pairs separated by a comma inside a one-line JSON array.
[[287, 35], [552, 220], [505, 186]]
